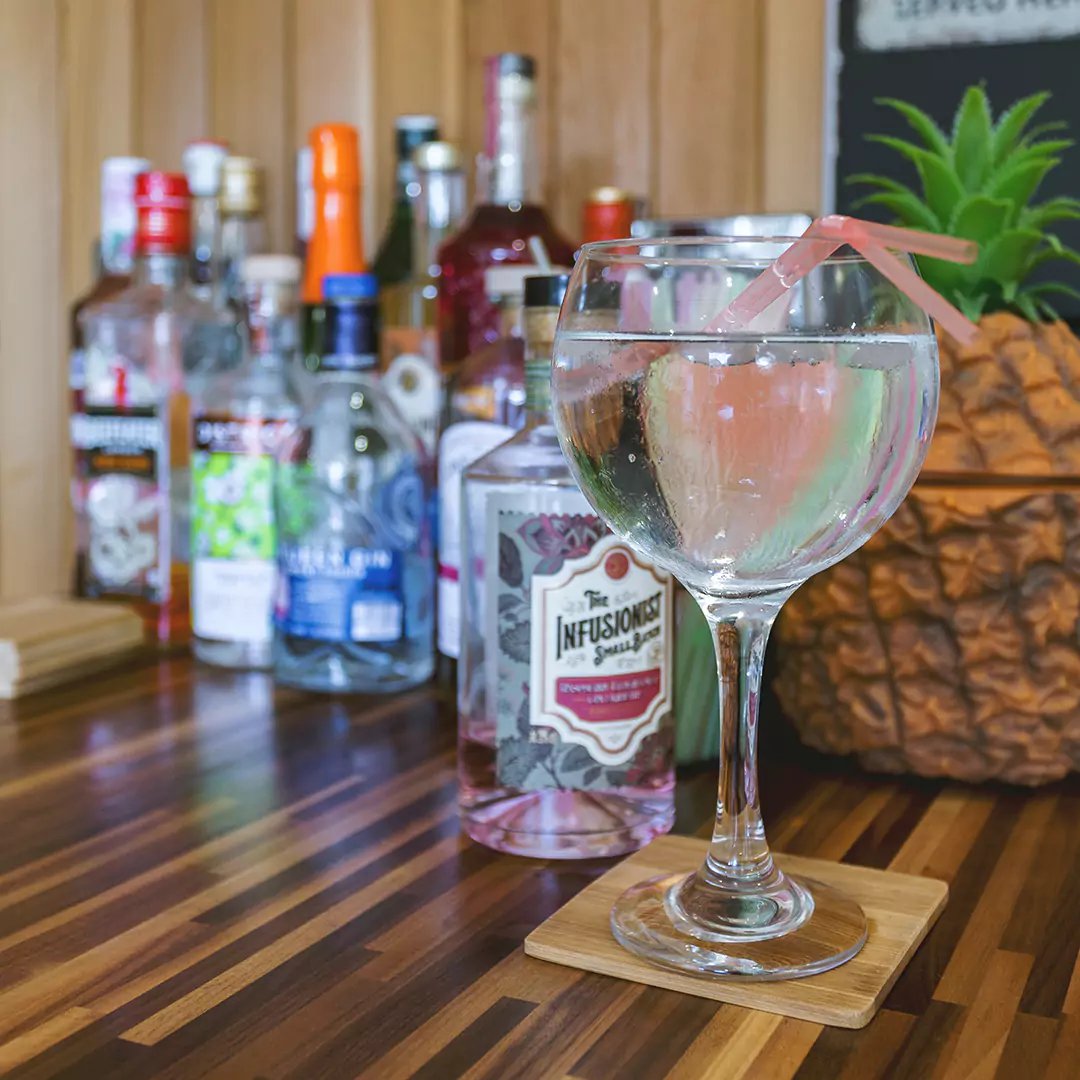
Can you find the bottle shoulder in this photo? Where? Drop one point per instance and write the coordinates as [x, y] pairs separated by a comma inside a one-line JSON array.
[[530, 455], [250, 390]]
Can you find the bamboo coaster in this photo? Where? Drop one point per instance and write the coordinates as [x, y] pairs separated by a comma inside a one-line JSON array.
[[900, 909]]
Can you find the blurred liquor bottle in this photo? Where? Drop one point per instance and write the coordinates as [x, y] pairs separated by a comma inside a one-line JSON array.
[[409, 344], [240, 417], [336, 244], [355, 562], [394, 261], [608, 214], [116, 254], [507, 214], [203, 161], [243, 223], [131, 434], [485, 405]]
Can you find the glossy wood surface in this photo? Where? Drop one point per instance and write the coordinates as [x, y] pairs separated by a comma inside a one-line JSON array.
[[201, 876]]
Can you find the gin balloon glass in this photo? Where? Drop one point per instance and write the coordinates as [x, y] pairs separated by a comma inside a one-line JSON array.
[[743, 461]]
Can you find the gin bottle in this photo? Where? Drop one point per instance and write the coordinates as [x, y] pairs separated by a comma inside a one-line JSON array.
[[564, 691], [132, 430], [355, 558], [239, 419]]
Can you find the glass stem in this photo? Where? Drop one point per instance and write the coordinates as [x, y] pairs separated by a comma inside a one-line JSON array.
[[739, 854]]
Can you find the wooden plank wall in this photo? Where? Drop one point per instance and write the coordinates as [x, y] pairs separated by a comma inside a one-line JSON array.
[[706, 106]]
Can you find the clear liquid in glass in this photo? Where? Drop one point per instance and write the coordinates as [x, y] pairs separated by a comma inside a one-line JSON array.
[[745, 465]]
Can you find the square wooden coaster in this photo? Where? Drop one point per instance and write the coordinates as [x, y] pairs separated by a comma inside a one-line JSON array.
[[900, 909]]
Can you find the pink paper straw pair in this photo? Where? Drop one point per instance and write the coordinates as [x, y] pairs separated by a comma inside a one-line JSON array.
[[872, 241]]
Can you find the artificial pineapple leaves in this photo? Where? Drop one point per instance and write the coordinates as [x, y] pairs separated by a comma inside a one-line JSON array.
[[978, 184]]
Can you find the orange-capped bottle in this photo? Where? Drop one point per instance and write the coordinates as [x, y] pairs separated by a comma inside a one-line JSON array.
[[336, 245]]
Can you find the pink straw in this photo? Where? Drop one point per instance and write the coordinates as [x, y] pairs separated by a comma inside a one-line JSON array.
[[827, 234]]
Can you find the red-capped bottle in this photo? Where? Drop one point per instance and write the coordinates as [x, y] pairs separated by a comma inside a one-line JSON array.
[[131, 436], [508, 213], [607, 215]]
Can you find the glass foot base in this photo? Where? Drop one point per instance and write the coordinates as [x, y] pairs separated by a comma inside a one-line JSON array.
[[814, 928]]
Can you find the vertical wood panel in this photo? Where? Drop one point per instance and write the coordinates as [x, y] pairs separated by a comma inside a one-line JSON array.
[[251, 97], [604, 51], [33, 445], [493, 26], [98, 71], [335, 81], [418, 30], [173, 78], [792, 103], [708, 108]]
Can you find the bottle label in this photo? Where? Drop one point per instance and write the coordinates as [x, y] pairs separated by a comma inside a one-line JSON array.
[[579, 632], [122, 496], [340, 594], [460, 445], [411, 377], [232, 527]]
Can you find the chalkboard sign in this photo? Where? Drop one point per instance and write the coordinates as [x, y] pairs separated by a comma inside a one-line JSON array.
[[928, 52]]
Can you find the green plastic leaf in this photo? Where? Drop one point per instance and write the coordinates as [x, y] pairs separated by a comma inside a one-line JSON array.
[[1060, 209], [943, 276], [1018, 184], [931, 134], [1011, 124], [882, 182], [910, 210], [913, 153], [972, 138], [1058, 287], [971, 305], [1007, 256], [980, 218], [1027, 307], [941, 186], [942, 189], [1055, 251]]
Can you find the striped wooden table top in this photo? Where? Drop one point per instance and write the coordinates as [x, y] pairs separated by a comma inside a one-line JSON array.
[[201, 876]]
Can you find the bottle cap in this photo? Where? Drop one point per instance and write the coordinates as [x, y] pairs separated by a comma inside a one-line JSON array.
[[413, 131], [608, 194], [437, 157], [336, 160], [514, 64], [118, 174], [203, 159], [272, 269], [163, 204], [350, 287], [241, 186], [546, 290]]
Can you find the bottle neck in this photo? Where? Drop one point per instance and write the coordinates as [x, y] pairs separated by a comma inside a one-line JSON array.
[[539, 342], [336, 245], [403, 177], [439, 209], [273, 323], [510, 158], [167, 270], [118, 223]]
